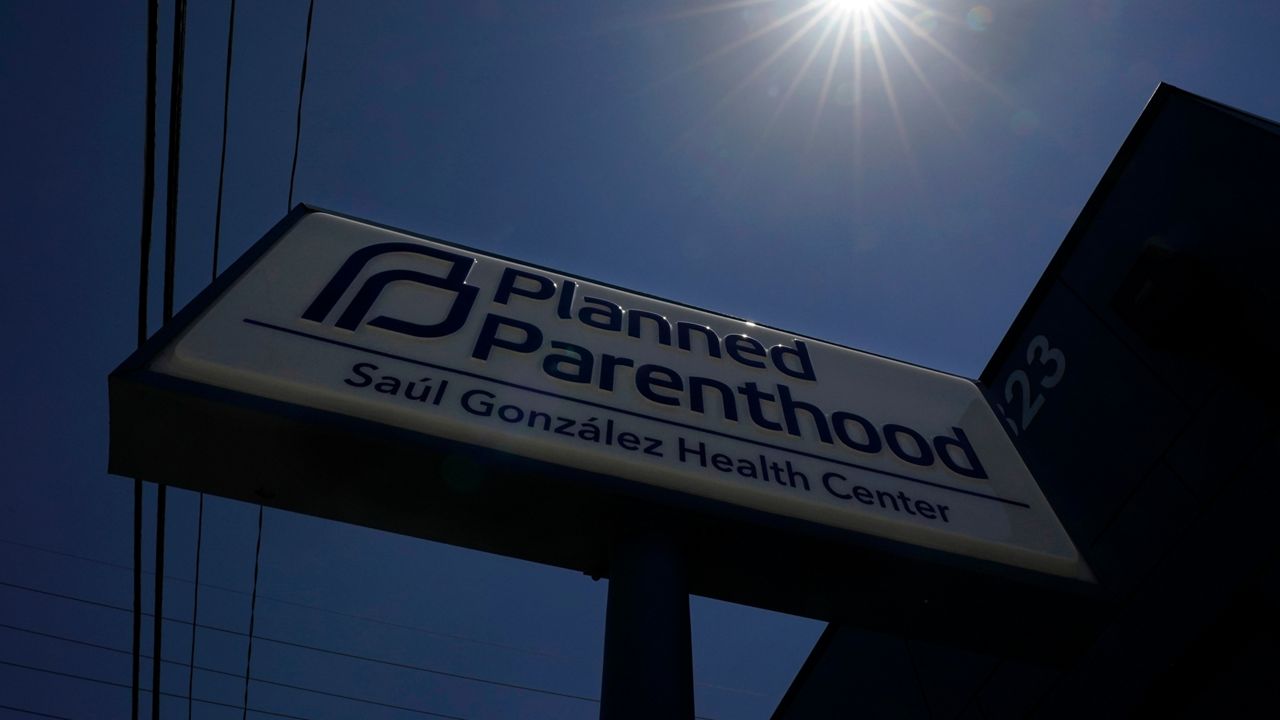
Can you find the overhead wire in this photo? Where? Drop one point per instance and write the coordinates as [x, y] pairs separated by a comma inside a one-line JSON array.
[[293, 173], [339, 613], [313, 648], [144, 279], [148, 170], [301, 688], [137, 594], [222, 157], [302, 88], [170, 259], [195, 605], [453, 637], [276, 683], [175, 148], [112, 683], [253, 611], [158, 601], [213, 275], [34, 713]]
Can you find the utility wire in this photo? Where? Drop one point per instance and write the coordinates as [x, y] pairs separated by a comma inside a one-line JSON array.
[[148, 170], [430, 671], [222, 161], [175, 147], [170, 253], [76, 598], [33, 713], [137, 592], [313, 648], [194, 667], [302, 88], [195, 605], [253, 612], [159, 594], [338, 613], [112, 683], [213, 275], [144, 278], [315, 608]]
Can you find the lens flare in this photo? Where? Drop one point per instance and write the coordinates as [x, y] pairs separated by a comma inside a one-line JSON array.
[[979, 18], [924, 23]]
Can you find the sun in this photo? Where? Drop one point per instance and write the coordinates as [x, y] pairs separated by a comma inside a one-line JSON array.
[[850, 7], [845, 51]]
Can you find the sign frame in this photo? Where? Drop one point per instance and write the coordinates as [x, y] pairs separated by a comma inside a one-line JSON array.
[[205, 438]]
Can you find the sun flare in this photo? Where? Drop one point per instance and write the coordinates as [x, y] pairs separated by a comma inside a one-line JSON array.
[[867, 60], [850, 7]]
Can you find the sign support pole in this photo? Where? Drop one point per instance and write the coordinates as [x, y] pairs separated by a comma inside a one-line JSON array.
[[648, 652]]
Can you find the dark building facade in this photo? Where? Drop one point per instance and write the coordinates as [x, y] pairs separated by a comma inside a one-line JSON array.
[[1140, 383]]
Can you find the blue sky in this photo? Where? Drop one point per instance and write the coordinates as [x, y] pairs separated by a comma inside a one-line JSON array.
[[724, 155]]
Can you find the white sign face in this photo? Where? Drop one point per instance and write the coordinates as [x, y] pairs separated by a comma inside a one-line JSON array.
[[367, 322]]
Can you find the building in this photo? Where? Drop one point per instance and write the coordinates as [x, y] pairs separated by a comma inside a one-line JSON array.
[[1137, 382]]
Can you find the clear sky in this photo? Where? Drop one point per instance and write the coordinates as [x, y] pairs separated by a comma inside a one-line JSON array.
[[893, 178]]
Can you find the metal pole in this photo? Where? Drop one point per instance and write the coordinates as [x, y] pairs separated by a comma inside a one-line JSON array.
[[648, 655]]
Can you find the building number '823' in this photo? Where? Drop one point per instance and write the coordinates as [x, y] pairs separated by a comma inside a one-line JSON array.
[[1023, 398]]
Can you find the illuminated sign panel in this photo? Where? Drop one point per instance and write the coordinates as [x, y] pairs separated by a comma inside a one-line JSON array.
[[349, 318]]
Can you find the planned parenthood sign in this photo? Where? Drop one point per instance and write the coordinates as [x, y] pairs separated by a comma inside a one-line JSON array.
[[355, 320]]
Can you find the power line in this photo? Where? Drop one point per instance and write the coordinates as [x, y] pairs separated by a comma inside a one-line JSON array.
[[195, 604], [307, 606], [340, 696], [74, 641], [148, 170], [194, 667], [253, 610], [175, 148], [222, 161], [112, 683], [362, 618], [213, 274], [325, 651], [313, 648], [302, 88], [431, 671], [158, 597], [144, 279], [74, 598], [33, 713], [170, 258], [137, 589]]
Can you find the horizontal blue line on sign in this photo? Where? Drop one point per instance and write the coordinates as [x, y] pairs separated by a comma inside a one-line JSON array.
[[632, 413]]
